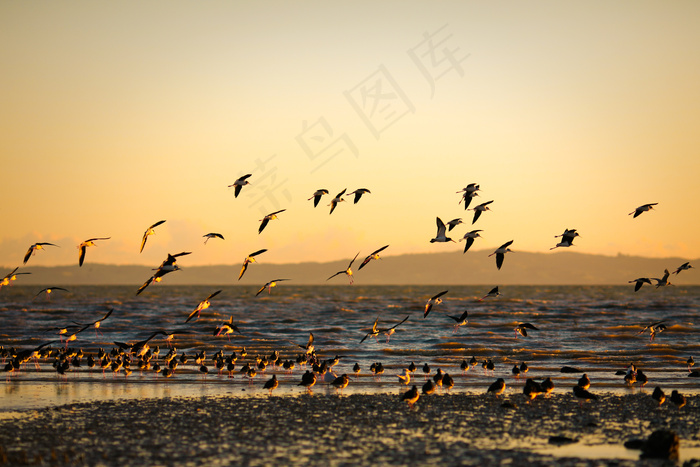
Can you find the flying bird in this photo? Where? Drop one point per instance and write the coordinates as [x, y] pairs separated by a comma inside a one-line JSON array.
[[347, 271], [683, 267], [433, 301], [211, 235], [441, 236], [501, 252], [317, 196], [34, 248], [49, 290], [338, 199], [373, 255], [97, 323], [309, 347], [654, 329], [388, 331], [226, 328], [469, 192], [460, 320], [268, 218], [638, 283], [492, 293], [240, 183], [166, 267], [11, 277], [148, 232], [643, 208], [479, 209], [663, 282], [454, 223], [522, 329], [83, 246], [567, 238], [269, 286], [358, 194], [203, 305], [250, 259], [469, 237]]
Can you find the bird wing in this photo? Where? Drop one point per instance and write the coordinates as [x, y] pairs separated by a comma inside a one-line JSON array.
[[214, 295], [311, 340], [341, 193], [143, 241], [477, 214], [467, 200], [387, 246], [317, 198], [237, 190], [29, 253], [439, 295], [262, 288], [463, 316], [145, 284], [529, 326], [83, 248], [104, 318], [366, 260], [339, 272], [499, 260], [353, 260], [256, 253], [506, 245], [243, 269], [241, 179], [440, 227], [263, 224], [156, 224], [394, 326], [470, 242]]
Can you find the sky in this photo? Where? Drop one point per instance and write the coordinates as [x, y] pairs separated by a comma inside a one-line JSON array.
[[568, 115]]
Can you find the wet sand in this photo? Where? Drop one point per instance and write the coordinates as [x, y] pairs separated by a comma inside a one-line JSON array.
[[327, 429]]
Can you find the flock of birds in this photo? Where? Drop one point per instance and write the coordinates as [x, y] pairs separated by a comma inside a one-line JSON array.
[[139, 353]]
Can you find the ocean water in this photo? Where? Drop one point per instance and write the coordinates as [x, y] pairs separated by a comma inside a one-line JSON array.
[[593, 328]]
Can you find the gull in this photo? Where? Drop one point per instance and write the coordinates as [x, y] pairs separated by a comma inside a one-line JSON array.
[[226, 328], [358, 194], [440, 236], [240, 183], [454, 223], [250, 259], [49, 290], [497, 387], [683, 267], [269, 286], [501, 252], [203, 305], [309, 347], [138, 348], [308, 379], [148, 232], [212, 235], [373, 255], [347, 271], [638, 283], [35, 247], [96, 324], [83, 246], [522, 329], [434, 300], [317, 196], [74, 336], [405, 377], [267, 219], [271, 384], [388, 331], [643, 208], [460, 320], [663, 282], [567, 238], [11, 277], [470, 191], [469, 237], [167, 266], [479, 209], [654, 329], [338, 199], [341, 382], [492, 293], [411, 396]]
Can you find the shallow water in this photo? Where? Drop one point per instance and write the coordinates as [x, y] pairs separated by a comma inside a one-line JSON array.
[[595, 329]]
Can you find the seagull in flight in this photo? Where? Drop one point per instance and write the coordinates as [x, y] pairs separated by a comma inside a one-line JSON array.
[[522, 329], [211, 235], [663, 282], [269, 286], [492, 293], [347, 271], [167, 266], [97, 323], [654, 329], [373, 255], [226, 328], [83, 246], [683, 267], [317, 196], [460, 320], [250, 259], [34, 248], [11, 277], [638, 283], [203, 305], [433, 301], [454, 223], [643, 208], [149, 231], [469, 237], [567, 238], [441, 236], [49, 290], [501, 252], [309, 347], [470, 191], [388, 331], [479, 209], [358, 194], [338, 199], [268, 218], [239, 184]]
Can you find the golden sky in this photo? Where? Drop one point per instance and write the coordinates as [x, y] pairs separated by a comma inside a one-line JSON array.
[[568, 115]]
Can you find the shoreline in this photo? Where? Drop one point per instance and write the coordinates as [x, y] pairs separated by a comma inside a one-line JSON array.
[[329, 429]]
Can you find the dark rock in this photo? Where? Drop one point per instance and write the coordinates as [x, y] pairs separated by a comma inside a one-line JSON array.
[[561, 440], [570, 369], [662, 444], [694, 374]]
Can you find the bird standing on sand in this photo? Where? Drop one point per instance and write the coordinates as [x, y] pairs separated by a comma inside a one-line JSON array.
[[269, 286], [239, 184], [411, 396], [317, 196], [83, 246], [347, 272], [34, 248], [341, 382], [249, 259], [338, 199], [441, 236], [405, 377], [547, 386], [483, 207], [643, 208], [149, 231], [358, 194], [678, 399], [433, 301], [500, 253], [373, 255], [497, 387], [308, 379], [469, 237], [658, 395], [211, 235], [583, 394], [264, 221], [271, 384], [203, 305]]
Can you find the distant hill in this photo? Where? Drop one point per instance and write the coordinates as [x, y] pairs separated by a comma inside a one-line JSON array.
[[474, 267]]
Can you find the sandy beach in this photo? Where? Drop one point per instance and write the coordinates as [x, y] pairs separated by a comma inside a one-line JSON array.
[[329, 429]]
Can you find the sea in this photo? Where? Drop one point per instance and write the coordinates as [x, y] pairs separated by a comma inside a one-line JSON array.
[[597, 330]]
